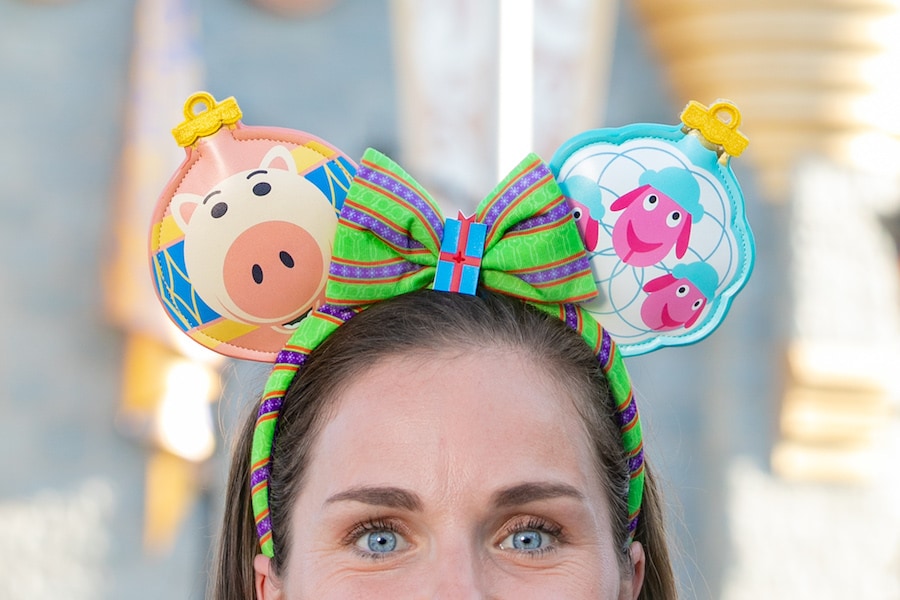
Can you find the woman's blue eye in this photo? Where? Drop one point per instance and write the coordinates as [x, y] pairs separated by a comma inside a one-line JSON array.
[[381, 541], [527, 540]]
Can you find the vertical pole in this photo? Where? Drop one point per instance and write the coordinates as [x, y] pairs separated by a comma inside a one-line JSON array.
[[515, 110]]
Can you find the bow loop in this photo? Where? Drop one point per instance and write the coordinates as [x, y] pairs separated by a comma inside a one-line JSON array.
[[388, 237], [533, 250]]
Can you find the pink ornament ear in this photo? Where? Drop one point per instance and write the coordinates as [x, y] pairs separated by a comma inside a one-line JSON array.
[[661, 282], [625, 201], [684, 238]]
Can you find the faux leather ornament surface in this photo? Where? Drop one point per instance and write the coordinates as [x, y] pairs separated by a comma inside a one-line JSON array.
[[662, 217], [242, 234]]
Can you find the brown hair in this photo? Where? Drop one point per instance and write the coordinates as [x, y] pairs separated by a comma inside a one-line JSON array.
[[417, 322]]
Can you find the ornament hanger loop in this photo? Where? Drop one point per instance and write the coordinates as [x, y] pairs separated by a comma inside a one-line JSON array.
[[717, 124], [193, 106], [201, 123]]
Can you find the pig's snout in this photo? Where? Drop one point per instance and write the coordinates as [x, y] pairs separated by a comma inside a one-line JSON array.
[[273, 270]]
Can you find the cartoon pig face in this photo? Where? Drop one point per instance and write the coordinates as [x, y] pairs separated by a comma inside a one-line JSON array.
[[671, 303], [650, 225], [257, 246]]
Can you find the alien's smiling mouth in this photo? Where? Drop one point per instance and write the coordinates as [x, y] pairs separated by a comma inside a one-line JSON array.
[[636, 244], [667, 319]]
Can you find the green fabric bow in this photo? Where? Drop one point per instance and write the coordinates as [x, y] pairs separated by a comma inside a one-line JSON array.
[[391, 231]]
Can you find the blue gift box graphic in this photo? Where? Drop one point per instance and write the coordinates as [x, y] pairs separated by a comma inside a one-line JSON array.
[[461, 251]]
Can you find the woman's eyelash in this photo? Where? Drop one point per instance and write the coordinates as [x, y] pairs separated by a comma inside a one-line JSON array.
[[538, 524], [532, 523], [391, 538], [369, 525]]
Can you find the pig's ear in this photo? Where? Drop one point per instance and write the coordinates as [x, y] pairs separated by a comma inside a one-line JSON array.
[[183, 207], [279, 157]]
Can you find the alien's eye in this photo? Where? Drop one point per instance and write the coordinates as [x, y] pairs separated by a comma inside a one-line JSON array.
[[651, 202], [674, 218], [682, 291], [577, 214], [697, 304]]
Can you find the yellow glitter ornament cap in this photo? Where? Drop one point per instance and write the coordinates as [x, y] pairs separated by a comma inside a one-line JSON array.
[[718, 125], [201, 123]]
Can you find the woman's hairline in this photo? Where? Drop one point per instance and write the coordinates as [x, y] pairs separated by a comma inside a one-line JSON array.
[[426, 350]]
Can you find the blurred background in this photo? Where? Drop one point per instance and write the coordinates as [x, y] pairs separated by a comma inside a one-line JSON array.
[[777, 438]]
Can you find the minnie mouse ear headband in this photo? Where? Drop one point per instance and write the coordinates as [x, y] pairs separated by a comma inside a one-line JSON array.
[[228, 268]]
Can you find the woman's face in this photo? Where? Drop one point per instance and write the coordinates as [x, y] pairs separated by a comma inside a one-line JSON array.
[[456, 475]]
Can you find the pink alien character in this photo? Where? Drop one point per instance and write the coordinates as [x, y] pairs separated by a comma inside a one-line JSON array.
[[677, 299], [656, 217], [585, 200]]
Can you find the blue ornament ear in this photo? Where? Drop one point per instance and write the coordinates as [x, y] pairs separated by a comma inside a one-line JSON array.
[[671, 246]]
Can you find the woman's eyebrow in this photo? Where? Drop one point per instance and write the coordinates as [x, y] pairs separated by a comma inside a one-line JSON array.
[[392, 497], [524, 493]]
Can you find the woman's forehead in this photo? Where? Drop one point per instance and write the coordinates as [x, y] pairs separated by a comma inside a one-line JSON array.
[[467, 419]]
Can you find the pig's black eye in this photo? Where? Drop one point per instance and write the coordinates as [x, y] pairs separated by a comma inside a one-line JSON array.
[[262, 188], [218, 209]]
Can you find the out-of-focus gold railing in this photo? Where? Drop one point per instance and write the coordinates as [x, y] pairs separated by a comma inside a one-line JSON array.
[[810, 76]]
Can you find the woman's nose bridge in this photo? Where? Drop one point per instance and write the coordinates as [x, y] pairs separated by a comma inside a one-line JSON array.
[[459, 570]]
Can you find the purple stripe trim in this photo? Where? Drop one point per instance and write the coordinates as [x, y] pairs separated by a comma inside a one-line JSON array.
[[627, 415], [571, 316], [290, 357], [557, 213], [259, 475], [579, 265], [636, 461], [338, 312], [380, 229], [605, 347], [632, 526], [524, 182], [379, 272], [399, 188], [270, 405], [584, 263], [264, 527]]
